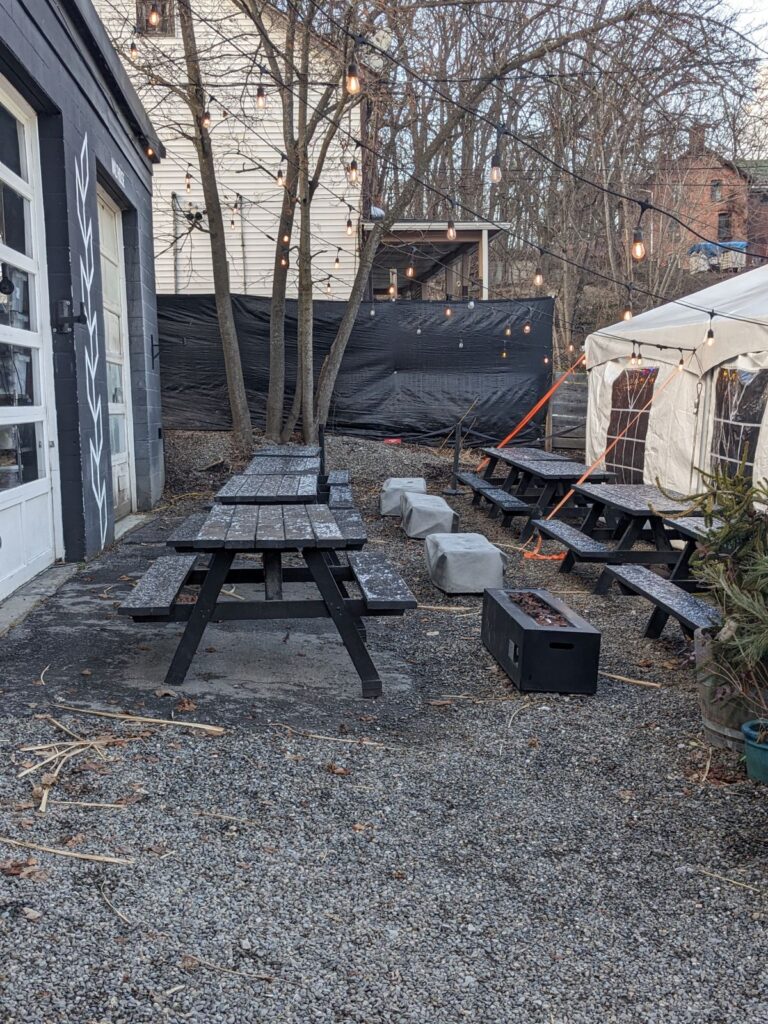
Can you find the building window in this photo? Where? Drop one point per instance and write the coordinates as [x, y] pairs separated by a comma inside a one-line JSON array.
[[149, 11], [716, 191], [724, 233]]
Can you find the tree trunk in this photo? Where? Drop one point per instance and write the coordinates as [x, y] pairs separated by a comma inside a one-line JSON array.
[[276, 393], [238, 401]]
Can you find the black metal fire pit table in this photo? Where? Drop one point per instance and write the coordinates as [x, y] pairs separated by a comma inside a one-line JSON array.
[[316, 532]]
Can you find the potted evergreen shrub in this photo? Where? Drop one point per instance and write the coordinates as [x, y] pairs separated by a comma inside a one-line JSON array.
[[732, 565]]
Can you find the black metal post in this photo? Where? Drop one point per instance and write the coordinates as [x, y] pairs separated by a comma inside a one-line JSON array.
[[453, 489]]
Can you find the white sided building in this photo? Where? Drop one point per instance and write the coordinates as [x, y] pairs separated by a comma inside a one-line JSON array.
[[247, 148]]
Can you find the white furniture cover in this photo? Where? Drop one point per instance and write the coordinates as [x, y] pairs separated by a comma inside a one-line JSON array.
[[422, 514], [394, 487], [464, 563]]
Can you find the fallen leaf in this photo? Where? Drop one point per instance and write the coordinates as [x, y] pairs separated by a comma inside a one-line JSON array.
[[166, 693], [76, 840], [533, 742], [184, 705], [86, 672], [337, 769], [31, 914], [361, 826], [398, 874], [626, 794], [188, 963]]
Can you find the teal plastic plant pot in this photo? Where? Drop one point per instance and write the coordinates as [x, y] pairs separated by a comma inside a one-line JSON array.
[[756, 753]]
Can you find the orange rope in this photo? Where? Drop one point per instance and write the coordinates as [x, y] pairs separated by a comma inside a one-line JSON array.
[[537, 407], [563, 501]]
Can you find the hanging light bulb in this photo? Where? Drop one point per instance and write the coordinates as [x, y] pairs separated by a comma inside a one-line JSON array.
[[638, 245], [570, 347], [410, 270], [392, 290], [328, 287], [150, 152], [508, 331], [461, 343], [710, 332], [373, 311], [418, 330], [504, 353], [280, 177], [449, 311], [286, 238], [538, 278], [471, 304], [639, 359], [352, 81], [352, 174], [495, 174], [546, 360], [206, 119], [232, 218], [627, 313], [284, 261], [188, 181], [450, 234], [153, 18], [133, 50], [681, 364], [337, 264], [349, 225], [527, 327], [261, 98], [633, 357]]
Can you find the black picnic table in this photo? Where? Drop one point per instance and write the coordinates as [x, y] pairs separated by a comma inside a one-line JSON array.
[[274, 489], [314, 531], [640, 510], [290, 451], [273, 465], [544, 484], [521, 453]]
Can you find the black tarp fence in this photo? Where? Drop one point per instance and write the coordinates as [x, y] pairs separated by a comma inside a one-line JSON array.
[[409, 371]]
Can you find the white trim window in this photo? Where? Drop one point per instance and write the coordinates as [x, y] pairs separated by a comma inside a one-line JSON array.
[[29, 530]]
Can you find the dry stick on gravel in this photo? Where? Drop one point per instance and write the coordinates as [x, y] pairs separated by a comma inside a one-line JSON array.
[[445, 608], [211, 730], [228, 970], [361, 741], [112, 907], [101, 858], [88, 803], [732, 881], [635, 682]]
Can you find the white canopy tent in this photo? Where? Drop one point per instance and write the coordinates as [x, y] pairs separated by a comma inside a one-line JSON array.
[[706, 412]]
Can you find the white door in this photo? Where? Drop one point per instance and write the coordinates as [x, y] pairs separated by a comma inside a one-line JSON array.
[[30, 532], [118, 368]]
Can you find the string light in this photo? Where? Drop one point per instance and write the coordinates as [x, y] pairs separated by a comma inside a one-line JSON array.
[[538, 278], [418, 330], [352, 172], [188, 180], [153, 18], [392, 290], [284, 261], [410, 270], [449, 311], [627, 314], [495, 174], [639, 356], [527, 327], [337, 264], [373, 311], [286, 237], [546, 360], [507, 331], [328, 286], [461, 343], [352, 82], [633, 357], [150, 152], [710, 332], [261, 98], [206, 119], [638, 245], [280, 177], [350, 228], [681, 364], [133, 51], [504, 352], [450, 234]]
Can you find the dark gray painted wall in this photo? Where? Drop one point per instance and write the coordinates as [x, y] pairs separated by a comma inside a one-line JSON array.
[[85, 126]]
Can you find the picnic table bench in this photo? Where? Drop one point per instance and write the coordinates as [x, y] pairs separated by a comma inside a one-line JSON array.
[[673, 596], [316, 532], [275, 489], [638, 511]]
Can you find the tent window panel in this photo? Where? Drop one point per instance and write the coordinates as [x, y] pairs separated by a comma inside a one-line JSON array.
[[632, 391], [740, 400]]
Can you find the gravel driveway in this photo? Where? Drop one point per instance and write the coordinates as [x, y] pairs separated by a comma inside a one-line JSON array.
[[455, 851]]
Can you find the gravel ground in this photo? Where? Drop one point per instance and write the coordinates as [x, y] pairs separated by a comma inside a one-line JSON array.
[[496, 858]]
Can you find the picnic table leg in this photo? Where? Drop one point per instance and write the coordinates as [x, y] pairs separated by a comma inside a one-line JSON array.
[[626, 543], [215, 577], [658, 618], [333, 559], [542, 504], [273, 576], [490, 468], [344, 621]]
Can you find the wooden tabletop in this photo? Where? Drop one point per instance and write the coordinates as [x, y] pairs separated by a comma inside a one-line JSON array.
[[270, 528], [633, 499], [289, 451], [561, 469], [521, 453], [270, 465], [277, 489]]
